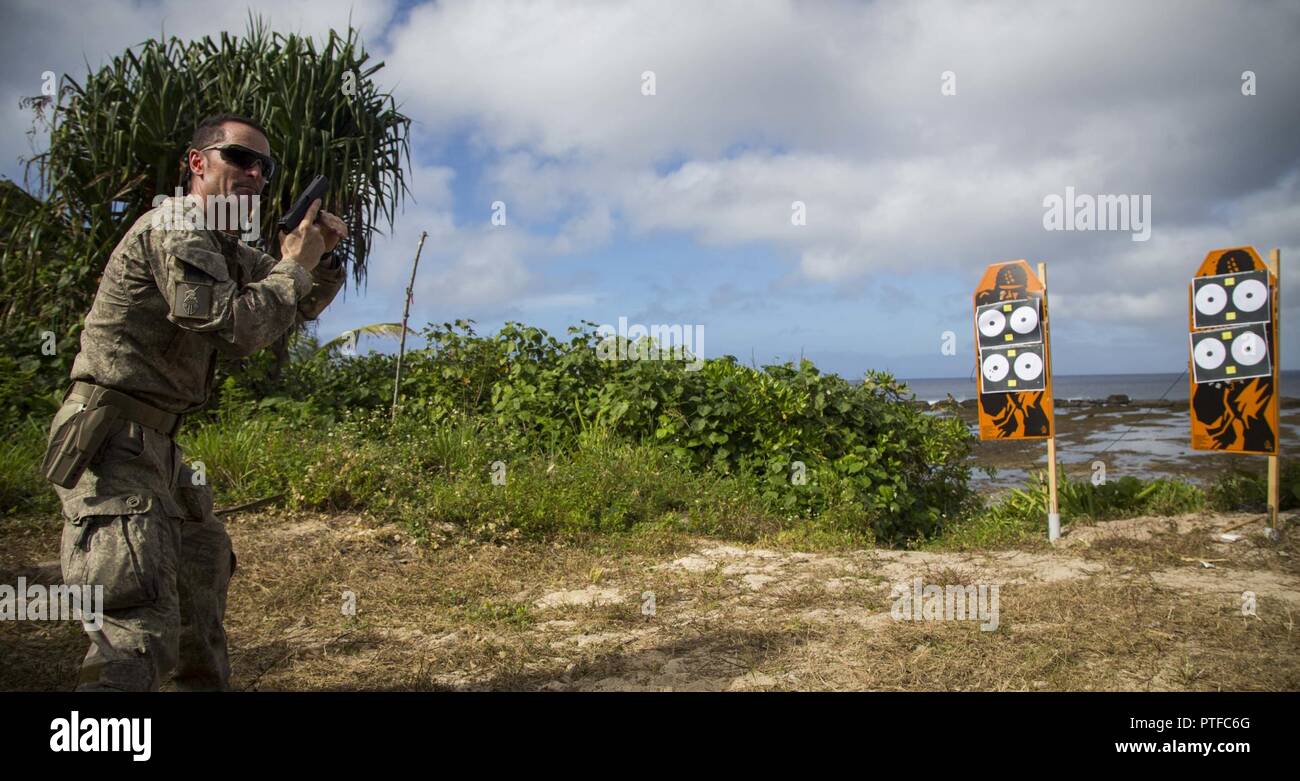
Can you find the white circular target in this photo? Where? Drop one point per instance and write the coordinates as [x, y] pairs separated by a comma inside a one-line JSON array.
[[1209, 353], [1211, 299], [1248, 349], [996, 367], [992, 322], [1029, 366], [1024, 319], [1250, 295]]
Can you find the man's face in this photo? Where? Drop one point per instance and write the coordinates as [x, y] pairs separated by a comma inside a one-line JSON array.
[[212, 174]]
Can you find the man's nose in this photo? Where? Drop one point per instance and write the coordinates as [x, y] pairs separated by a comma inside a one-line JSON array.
[[259, 171]]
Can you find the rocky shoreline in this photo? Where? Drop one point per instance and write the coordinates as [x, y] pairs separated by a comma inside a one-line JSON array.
[[1145, 439], [1115, 400]]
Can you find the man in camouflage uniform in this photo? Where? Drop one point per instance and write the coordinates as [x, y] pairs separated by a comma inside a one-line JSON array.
[[136, 522]]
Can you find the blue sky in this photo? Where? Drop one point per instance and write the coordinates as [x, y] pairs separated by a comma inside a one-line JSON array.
[[676, 207]]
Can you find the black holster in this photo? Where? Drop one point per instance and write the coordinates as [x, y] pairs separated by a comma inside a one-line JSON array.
[[75, 443]]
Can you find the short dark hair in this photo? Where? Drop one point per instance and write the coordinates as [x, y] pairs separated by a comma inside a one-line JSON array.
[[210, 131]]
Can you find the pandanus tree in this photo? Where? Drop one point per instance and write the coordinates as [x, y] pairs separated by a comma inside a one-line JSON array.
[[117, 139]]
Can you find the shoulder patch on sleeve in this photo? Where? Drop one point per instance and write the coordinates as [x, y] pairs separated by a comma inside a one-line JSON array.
[[192, 299]]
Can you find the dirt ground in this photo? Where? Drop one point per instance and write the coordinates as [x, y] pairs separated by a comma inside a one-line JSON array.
[[1147, 603]]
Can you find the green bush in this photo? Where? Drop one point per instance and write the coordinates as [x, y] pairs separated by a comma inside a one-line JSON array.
[[858, 444], [621, 442], [31, 384], [1248, 491], [424, 473]]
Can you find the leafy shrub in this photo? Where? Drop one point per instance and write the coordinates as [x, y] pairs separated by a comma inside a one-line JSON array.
[[1241, 490], [31, 384], [859, 444], [774, 444]]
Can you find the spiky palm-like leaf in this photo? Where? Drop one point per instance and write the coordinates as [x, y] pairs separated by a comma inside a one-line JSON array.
[[117, 138], [349, 336]]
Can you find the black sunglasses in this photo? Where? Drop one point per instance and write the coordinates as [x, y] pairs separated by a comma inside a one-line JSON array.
[[242, 156]]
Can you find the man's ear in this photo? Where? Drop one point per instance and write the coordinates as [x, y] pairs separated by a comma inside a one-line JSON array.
[[194, 163]]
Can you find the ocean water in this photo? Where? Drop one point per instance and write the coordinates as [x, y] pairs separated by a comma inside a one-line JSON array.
[[1139, 387]]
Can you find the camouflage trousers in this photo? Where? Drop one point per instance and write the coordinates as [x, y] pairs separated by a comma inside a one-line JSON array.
[[136, 524]]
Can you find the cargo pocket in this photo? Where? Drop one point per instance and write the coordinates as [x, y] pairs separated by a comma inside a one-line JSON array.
[[114, 542]]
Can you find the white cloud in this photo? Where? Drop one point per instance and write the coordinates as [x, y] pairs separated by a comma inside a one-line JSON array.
[[835, 104], [838, 105]]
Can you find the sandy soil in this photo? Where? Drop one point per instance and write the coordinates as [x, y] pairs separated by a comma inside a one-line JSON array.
[[1147, 603]]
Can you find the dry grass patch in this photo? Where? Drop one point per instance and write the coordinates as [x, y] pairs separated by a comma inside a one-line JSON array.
[[1118, 611]]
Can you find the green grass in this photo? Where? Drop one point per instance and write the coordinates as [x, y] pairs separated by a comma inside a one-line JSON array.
[[1248, 491], [466, 472], [1019, 517], [425, 474], [514, 614], [463, 472], [23, 489]]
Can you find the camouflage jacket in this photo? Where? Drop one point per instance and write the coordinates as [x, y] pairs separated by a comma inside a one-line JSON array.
[[170, 298]]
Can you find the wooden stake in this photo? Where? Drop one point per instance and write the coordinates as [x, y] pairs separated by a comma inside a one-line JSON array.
[[1053, 513], [1274, 495], [406, 313]]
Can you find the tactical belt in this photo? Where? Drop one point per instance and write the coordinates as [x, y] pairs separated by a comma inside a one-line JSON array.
[[93, 396]]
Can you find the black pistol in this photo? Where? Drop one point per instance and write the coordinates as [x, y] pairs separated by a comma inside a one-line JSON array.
[[317, 189]]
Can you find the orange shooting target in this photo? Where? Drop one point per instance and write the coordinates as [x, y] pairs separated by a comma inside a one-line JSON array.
[[1012, 350], [1232, 319]]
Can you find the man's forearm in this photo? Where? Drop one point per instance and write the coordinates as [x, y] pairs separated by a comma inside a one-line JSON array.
[[325, 284]]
